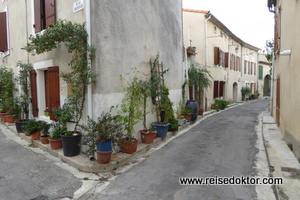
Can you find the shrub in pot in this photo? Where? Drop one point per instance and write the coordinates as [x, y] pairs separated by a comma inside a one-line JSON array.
[[45, 134], [34, 128], [102, 135]]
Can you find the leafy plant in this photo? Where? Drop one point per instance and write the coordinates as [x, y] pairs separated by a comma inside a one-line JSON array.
[[200, 78], [74, 36], [132, 103], [192, 48], [45, 129], [220, 104], [106, 128], [7, 89], [23, 80], [245, 91], [31, 126], [64, 115]]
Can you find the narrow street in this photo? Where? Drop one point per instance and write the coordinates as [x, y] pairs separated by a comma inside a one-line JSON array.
[[28, 174], [222, 145]]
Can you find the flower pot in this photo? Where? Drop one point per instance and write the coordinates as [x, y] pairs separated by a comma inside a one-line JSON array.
[[147, 137], [19, 126], [47, 114], [71, 144], [55, 144], [129, 146], [103, 157], [181, 121], [188, 117], [27, 134], [44, 139], [2, 115], [105, 146], [36, 135], [162, 130], [192, 105], [190, 52], [10, 118], [200, 112]]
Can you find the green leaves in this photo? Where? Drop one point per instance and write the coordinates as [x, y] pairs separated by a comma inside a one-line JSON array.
[[74, 36]]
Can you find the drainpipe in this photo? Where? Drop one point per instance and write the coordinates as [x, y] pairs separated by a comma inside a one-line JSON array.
[[272, 82], [206, 41], [88, 29]]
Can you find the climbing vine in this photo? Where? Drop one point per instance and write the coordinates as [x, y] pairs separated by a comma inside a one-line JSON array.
[[74, 36]]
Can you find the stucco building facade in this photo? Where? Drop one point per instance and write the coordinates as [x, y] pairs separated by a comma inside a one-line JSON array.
[[125, 35], [231, 61], [285, 74]]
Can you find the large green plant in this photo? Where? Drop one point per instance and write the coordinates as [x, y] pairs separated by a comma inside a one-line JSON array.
[[74, 36], [24, 82], [132, 103], [7, 89], [200, 78]]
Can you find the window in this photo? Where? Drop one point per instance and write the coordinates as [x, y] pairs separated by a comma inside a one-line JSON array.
[[220, 57], [3, 32], [218, 89], [44, 14]]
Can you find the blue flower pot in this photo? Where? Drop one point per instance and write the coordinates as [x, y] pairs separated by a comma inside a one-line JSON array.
[[105, 146], [162, 130]]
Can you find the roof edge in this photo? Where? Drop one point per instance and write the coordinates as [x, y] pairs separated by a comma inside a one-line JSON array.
[[196, 11]]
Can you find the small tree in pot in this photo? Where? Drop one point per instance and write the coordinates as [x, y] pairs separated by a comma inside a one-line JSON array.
[[105, 133]]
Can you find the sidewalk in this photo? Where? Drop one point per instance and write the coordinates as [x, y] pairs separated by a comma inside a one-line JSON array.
[[82, 162], [282, 161]]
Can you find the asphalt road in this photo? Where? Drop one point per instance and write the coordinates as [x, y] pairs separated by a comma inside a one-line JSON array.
[[222, 145], [27, 175]]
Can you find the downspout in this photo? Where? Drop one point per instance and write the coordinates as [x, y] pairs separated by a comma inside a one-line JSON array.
[[206, 57], [88, 29], [206, 41], [272, 82]]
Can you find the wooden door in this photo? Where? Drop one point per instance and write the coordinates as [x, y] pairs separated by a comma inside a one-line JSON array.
[[53, 90]]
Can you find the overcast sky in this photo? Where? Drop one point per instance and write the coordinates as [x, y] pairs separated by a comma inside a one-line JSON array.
[[251, 20]]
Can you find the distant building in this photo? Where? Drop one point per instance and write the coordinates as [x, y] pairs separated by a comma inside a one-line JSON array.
[[232, 62]]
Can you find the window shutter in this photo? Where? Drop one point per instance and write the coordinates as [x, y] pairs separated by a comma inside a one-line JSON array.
[[245, 66], [221, 88], [35, 109], [226, 59], [50, 14], [3, 32], [254, 68], [53, 90], [216, 55], [38, 18], [260, 72], [216, 89]]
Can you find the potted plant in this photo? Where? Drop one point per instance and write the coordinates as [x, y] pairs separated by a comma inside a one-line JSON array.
[[55, 138], [256, 94], [199, 79], [70, 139], [191, 50], [245, 91], [47, 112], [25, 97], [131, 112], [147, 135], [34, 128], [102, 135], [45, 133], [187, 113]]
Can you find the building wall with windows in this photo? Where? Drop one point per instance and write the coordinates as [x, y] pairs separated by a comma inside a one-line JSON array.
[[286, 91], [231, 61], [264, 76], [125, 35]]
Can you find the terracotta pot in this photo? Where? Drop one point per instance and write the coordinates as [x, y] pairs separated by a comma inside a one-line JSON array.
[[55, 144], [10, 118], [200, 112], [103, 157], [2, 115], [44, 140], [27, 134], [129, 146], [36, 135], [190, 52], [188, 117], [147, 137]]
